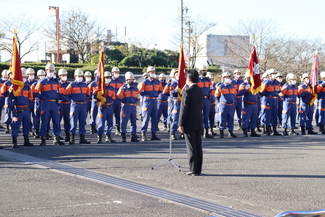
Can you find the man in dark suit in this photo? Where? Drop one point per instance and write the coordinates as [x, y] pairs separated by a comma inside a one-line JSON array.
[[191, 123]]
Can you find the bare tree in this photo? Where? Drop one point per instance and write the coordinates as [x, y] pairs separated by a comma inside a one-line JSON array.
[[79, 33], [25, 28]]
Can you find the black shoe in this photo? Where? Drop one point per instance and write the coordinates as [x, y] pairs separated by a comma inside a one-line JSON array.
[[67, 136], [71, 142], [43, 141], [182, 136], [144, 137], [285, 132], [221, 134], [134, 138], [57, 141], [118, 131], [14, 142], [123, 137], [311, 132], [275, 132], [303, 130], [206, 134], [83, 140], [109, 139], [231, 134], [212, 133], [7, 129], [93, 129], [36, 136], [154, 136], [99, 138], [254, 134], [292, 132], [26, 141], [245, 132], [173, 136]]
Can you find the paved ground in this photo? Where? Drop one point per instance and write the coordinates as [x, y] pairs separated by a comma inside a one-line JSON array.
[[264, 176]]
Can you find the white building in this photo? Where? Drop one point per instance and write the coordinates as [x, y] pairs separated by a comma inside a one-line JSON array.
[[223, 50]]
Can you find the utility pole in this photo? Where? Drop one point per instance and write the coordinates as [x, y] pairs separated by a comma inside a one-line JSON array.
[[182, 21], [56, 9]]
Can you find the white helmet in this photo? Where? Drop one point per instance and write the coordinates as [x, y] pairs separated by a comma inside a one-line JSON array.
[[225, 74], [107, 74], [162, 75], [203, 68], [322, 74], [237, 71], [305, 75], [291, 76], [270, 71], [115, 69], [78, 72], [151, 68], [129, 75], [23, 70], [279, 74], [4, 73], [210, 75], [62, 72], [172, 73], [40, 72], [247, 75], [50, 66], [30, 71], [96, 72], [88, 73], [23, 73]]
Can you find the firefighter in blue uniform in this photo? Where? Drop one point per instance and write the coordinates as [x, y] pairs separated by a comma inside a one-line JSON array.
[[116, 83], [289, 92], [212, 98], [78, 91], [279, 77], [249, 107], [21, 111], [37, 104], [49, 88], [225, 95], [88, 77], [105, 111], [30, 81], [94, 108], [321, 103], [3, 79], [162, 105], [150, 89], [170, 100], [8, 104], [306, 108], [205, 83], [238, 101], [64, 103], [129, 96], [270, 89]]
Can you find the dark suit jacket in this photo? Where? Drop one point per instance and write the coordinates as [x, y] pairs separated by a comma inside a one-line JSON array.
[[190, 116]]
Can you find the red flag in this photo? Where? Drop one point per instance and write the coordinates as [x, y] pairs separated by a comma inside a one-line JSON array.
[[15, 68], [181, 72], [313, 77], [254, 72], [101, 80]]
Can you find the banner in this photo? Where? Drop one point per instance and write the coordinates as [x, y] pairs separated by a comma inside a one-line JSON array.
[[254, 72], [101, 80], [313, 78], [181, 72], [15, 68]]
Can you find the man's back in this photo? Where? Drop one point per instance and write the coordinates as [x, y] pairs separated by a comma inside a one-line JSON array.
[[191, 109]]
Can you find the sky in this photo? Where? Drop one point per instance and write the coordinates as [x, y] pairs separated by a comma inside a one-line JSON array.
[[153, 23]]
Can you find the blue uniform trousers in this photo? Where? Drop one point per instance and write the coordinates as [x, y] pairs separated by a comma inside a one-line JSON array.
[[8, 109], [289, 112], [317, 111], [93, 113], [89, 106], [212, 114], [321, 111], [50, 109], [249, 116], [238, 108], [32, 114], [162, 110], [37, 113], [305, 115], [129, 112], [280, 108], [206, 111], [269, 111], [64, 109], [175, 115], [149, 110], [105, 120], [78, 112], [20, 116], [2, 103], [226, 116], [116, 107]]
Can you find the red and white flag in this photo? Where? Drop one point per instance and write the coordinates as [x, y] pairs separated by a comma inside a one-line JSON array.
[[15, 68], [313, 77], [254, 72]]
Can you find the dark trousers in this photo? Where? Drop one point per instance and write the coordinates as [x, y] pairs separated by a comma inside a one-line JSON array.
[[193, 141]]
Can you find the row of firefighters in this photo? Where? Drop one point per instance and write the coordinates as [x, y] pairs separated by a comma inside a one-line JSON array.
[[54, 98]]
